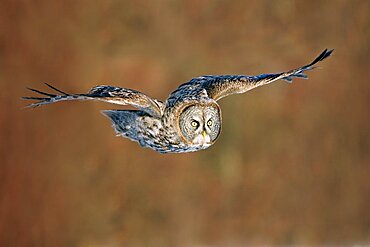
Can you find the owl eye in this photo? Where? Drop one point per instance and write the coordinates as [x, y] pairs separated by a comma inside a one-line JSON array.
[[195, 124], [209, 123]]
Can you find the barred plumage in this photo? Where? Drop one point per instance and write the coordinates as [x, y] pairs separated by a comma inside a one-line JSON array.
[[189, 120]]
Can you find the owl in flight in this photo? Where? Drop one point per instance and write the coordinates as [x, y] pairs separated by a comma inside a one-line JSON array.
[[189, 120]]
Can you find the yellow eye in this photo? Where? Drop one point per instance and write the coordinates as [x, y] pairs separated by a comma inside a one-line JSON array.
[[209, 123], [195, 124]]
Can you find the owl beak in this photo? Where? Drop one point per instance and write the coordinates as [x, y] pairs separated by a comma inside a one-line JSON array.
[[202, 139], [204, 134]]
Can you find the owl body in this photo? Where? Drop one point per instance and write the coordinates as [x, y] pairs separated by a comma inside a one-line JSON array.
[[189, 120], [168, 133]]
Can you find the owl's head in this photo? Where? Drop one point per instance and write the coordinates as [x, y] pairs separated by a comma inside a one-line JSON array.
[[200, 124]]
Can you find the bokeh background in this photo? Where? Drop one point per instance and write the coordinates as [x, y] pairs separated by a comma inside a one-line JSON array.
[[290, 168]]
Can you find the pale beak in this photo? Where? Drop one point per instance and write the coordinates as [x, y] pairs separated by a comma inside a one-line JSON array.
[[204, 134], [202, 139]]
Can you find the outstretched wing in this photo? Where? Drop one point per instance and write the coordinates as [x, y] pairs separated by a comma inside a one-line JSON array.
[[218, 87], [115, 95]]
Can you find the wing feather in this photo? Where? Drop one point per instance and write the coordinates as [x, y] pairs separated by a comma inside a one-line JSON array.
[[218, 87], [114, 95]]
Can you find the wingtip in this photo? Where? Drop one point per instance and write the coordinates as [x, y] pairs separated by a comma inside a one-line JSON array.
[[40, 92], [56, 89], [326, 53], [32, 98], [34, 105]]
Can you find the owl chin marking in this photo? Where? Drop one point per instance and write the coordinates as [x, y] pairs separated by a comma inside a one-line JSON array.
[[203, 140]]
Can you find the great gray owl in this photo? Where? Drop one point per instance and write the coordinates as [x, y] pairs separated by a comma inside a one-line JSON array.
[[189, 120]]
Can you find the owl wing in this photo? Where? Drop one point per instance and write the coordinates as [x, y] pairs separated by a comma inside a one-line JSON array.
[[114, 95], [218, 87]]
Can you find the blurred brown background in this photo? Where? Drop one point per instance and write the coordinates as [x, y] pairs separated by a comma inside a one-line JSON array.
[[291, 166]]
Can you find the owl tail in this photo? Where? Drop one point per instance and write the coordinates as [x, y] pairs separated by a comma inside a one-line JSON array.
[[124, 122]]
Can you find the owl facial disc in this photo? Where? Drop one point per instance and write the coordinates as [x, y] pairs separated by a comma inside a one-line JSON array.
[[200, 124]]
